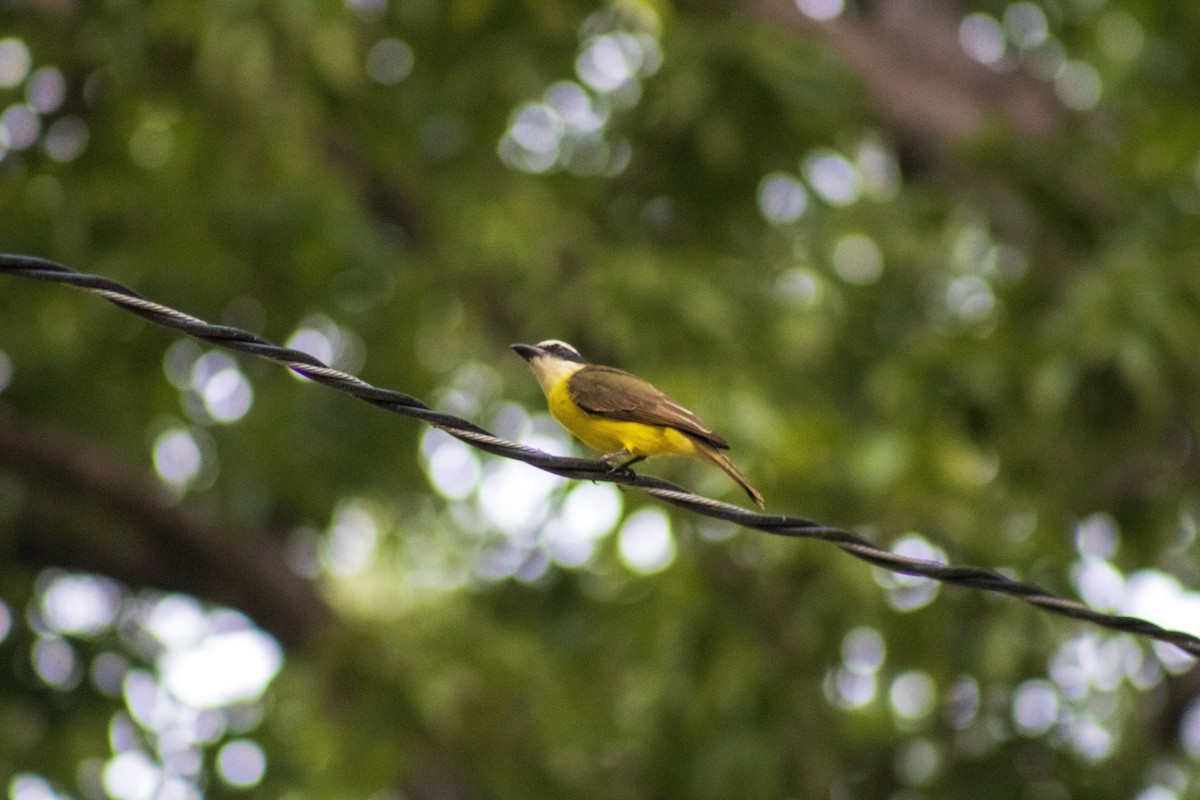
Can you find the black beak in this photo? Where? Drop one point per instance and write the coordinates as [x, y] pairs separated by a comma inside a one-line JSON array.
[[527, 351]]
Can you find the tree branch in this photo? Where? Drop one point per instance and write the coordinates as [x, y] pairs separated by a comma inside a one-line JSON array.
[[908, 55], [173, 545]]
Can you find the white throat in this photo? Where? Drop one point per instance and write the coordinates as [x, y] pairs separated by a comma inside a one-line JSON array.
[[550, 371]]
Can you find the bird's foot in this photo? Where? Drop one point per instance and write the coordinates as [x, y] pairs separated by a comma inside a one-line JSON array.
[[621, 462]]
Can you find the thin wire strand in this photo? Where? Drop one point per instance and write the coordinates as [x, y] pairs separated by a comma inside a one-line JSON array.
[[583, 469]]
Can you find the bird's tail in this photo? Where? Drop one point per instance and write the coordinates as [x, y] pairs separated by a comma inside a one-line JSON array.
[[717, 457]]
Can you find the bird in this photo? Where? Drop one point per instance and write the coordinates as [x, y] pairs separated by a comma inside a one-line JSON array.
[[621, 415]]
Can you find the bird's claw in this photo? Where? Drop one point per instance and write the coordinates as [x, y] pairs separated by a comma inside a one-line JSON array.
[[623, 469]]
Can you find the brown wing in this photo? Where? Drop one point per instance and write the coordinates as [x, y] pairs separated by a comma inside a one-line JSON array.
[[616, 394]]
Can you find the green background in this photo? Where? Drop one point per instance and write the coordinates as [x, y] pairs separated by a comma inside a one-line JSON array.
[[945, 300]]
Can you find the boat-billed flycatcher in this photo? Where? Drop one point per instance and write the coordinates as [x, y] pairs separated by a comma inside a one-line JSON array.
[[619, 414]]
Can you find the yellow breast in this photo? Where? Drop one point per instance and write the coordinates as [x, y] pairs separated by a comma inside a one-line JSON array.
[[610, 435]]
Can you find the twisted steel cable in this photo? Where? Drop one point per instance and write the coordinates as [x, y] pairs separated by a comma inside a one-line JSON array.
[[238, 340]]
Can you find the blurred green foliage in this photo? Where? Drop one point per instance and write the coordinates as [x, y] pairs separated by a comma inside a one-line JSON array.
[[918, 291]]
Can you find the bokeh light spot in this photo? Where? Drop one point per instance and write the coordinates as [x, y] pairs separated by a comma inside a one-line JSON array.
[[575, 107], [845, 688], [80, 604], [223, 669], [591, 510], [55, 662], [371, 10], [352, 539], [241, 763], [917, 762], [962, 702], [1099, 583], [645, 543], [1097, 536], [1090, 662], [131, 775], [566, 129], [145, 699], [179, 362], [108, 673], [912, 695], [515, 498], [313, 342], [66, 139], [832, 177], [323, 339], [820, 10], [177, 457], [878, 170], [15, 61], [863, 650], [531, 143], [1026, 25], [911, 592], [6, 621], [1046, 61], [1189, 729], [46, 90], [1078, 86], [781, 198], [857, 259], [1092, 740], [589, 513], [798, 288], [981, 38], [27, 786], [152, 143], [607, 62], [537, 128], [1160, 598], [177, 621], [20, 127], [226, 393], [389, 61], [453, 467], [1035, 707], [6, 370], [1156, 792], [970, 298]]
